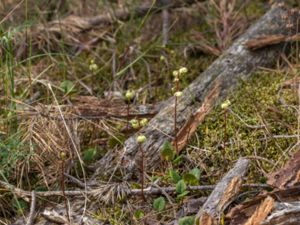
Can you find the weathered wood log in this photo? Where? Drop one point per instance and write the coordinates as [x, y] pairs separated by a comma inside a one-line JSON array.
[[212, 86], [269, 212], [125, 14], [240, 214], [284, 213], [225, 190], [76, 26]]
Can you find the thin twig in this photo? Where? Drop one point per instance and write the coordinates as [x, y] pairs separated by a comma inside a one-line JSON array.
[[63, 189], [142, 173], [147, 191], [165, 30], [31, 216]]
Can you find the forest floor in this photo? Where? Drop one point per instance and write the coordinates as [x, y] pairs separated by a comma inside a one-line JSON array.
[[55, 64]]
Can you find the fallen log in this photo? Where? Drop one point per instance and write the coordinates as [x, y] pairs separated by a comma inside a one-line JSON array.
[[223, 193], [73, 29], [209, 89]]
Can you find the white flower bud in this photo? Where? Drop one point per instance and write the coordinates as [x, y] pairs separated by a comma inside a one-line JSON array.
[[141, 139], [175, 73], [129, 95], [93, 67], [225, 104], [183, 70], [134, 123], [178, 94], [144, 122]]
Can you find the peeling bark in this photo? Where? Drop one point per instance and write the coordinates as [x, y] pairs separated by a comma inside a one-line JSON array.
[[225, 190], [284, 214]]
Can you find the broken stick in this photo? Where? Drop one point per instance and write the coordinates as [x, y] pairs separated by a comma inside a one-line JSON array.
[[223, 193]]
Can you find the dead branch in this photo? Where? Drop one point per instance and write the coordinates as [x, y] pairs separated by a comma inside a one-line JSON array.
[[125, 13], [284, 213], [265, 41], [92, 108], [32, 209], [93, 192], [73, 27], [208, 90], [241, 213], [224, 191]]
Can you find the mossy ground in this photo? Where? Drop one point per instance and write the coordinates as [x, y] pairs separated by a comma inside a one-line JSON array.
[[259, 124]]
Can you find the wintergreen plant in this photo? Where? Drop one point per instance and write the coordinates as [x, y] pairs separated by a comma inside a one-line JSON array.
[[177, 94], [129, 96], [140, 140]]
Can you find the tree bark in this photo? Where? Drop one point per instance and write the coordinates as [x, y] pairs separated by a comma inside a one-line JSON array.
[[225, 190], [284, 213], [209, 89]]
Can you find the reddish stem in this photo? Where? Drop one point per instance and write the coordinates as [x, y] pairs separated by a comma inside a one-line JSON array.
[[63, 189], [175, 119], [128, 107], [225, 127], [175, 126], [142, 172]]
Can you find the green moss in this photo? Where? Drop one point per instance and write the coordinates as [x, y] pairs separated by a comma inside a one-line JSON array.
[[261, 116]]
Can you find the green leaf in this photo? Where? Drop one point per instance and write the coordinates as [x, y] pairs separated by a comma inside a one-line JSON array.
[[177, 160], [187, 220], [20, 205], [67, 86], [174, 176], [180, 187], [190, 179], [182, 194], [139, 214], [89, 154], [159, 204], [196, 172], [167, 152]]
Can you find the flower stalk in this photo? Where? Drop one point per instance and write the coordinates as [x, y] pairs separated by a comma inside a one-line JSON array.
[[177, 75], [140, 140], [62, 157]]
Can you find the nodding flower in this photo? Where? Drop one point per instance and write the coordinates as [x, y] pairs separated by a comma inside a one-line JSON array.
[[141, 139], [93, 66], [144, 122], [225, 104], [175, 73], [129, 95], [183, 70], [178, 93], [134, 123]]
